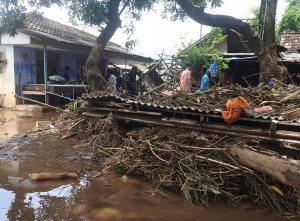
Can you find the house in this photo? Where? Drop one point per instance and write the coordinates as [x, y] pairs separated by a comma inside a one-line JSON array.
[[291, 41], [243, 63], [43, 48]]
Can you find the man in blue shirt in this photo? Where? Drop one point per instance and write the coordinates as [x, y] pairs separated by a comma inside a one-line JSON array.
[[205, 81], [214, 70]]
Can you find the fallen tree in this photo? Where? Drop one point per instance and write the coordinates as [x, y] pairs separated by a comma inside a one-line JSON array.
[[285, 170]]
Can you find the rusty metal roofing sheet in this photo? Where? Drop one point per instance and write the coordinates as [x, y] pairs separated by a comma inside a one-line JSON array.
[[108, 98]]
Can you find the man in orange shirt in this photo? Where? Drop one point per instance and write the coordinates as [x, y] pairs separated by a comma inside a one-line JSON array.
[[185, 79]]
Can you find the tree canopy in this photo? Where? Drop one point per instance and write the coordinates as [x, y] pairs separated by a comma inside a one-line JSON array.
[[104, 14], [198, 56], [94, 13], [263, 45], [290, 21]]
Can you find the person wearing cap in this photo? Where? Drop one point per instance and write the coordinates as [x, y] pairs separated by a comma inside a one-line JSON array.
[[185, 79]]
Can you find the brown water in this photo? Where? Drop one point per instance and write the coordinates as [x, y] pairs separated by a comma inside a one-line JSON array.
[[109, 197]]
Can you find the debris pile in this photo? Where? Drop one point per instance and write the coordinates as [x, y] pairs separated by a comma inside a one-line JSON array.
[[199, 165], [280, 97]]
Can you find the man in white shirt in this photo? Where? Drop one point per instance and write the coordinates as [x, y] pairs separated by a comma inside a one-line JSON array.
[[113, 81]]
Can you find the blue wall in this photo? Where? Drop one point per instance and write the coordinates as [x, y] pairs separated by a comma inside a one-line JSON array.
[[69, 59], [25, 64]]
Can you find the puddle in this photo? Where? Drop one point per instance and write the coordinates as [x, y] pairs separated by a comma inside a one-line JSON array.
[[7, 198], [107, 198], [16, 122]]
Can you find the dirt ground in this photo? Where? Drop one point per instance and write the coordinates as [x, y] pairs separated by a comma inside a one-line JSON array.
[[109, 197]]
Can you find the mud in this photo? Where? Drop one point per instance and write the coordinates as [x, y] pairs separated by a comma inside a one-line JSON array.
[[110, 197]]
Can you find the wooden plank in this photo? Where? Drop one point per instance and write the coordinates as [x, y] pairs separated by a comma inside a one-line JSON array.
[[125, 111], [207, 130], [88, 114], [33, 93], [57, 88], [179, 121]]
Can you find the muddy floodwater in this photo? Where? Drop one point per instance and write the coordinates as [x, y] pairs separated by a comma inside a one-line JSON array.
[[109, 197]]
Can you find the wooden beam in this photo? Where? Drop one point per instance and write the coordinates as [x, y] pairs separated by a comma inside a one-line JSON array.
[[47, 105], [125, 111]]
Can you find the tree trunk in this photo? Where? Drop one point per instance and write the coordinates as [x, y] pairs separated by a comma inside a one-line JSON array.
[[284, 170], [94, 77], [264, 49], [268, 56]]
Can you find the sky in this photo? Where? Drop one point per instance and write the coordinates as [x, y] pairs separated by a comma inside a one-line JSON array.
[[156, 35]]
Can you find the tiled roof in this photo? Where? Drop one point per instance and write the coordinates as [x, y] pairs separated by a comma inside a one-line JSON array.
[[291, 41], [45, 25]]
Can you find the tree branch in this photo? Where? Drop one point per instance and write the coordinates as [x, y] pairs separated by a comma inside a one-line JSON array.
[[124, 7], [114, 22], [223, 21]]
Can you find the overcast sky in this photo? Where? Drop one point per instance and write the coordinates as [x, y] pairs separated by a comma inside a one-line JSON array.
[[155, 34]]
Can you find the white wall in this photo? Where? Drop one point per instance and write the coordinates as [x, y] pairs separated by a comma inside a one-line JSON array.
[[19, 38], [7, 78]]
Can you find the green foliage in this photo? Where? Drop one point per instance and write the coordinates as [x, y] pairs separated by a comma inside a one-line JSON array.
[[290, 21], [205, 55], [11, 19], [254, 20], [195, 196], [12, 12], [73, 106], [174, 12], [90, 12], [120, 168]]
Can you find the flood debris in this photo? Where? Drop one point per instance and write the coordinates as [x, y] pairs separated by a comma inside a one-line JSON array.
[[199, 165], [178, 141]]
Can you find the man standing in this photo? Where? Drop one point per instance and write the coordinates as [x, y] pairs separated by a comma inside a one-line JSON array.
[[132, 80], [214, 70], [113, 81], [185, 79], [205, 81]]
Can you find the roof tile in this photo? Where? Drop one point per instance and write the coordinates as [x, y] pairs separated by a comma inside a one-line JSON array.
[[291, 40], [46, 25]]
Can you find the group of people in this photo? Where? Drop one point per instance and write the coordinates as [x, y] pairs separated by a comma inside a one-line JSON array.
[[210, 77], [117, 82], [115, 79]]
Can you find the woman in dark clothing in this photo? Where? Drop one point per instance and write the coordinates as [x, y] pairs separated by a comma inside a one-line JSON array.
[[67, 73], [132, 80]]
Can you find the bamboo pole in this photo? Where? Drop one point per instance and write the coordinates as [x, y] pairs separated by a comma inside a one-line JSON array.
[[44, 104], [59, 95]]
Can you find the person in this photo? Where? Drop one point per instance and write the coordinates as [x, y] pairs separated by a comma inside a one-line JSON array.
[[132, 80], [185, 79], [214, 70], [120, 81], [66, 74], [113, 81], [205, 81]]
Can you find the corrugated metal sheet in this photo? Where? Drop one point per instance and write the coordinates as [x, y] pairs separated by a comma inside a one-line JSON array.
[[113, 98]]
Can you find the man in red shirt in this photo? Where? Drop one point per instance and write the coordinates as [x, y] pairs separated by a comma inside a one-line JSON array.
[[185, 79]]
